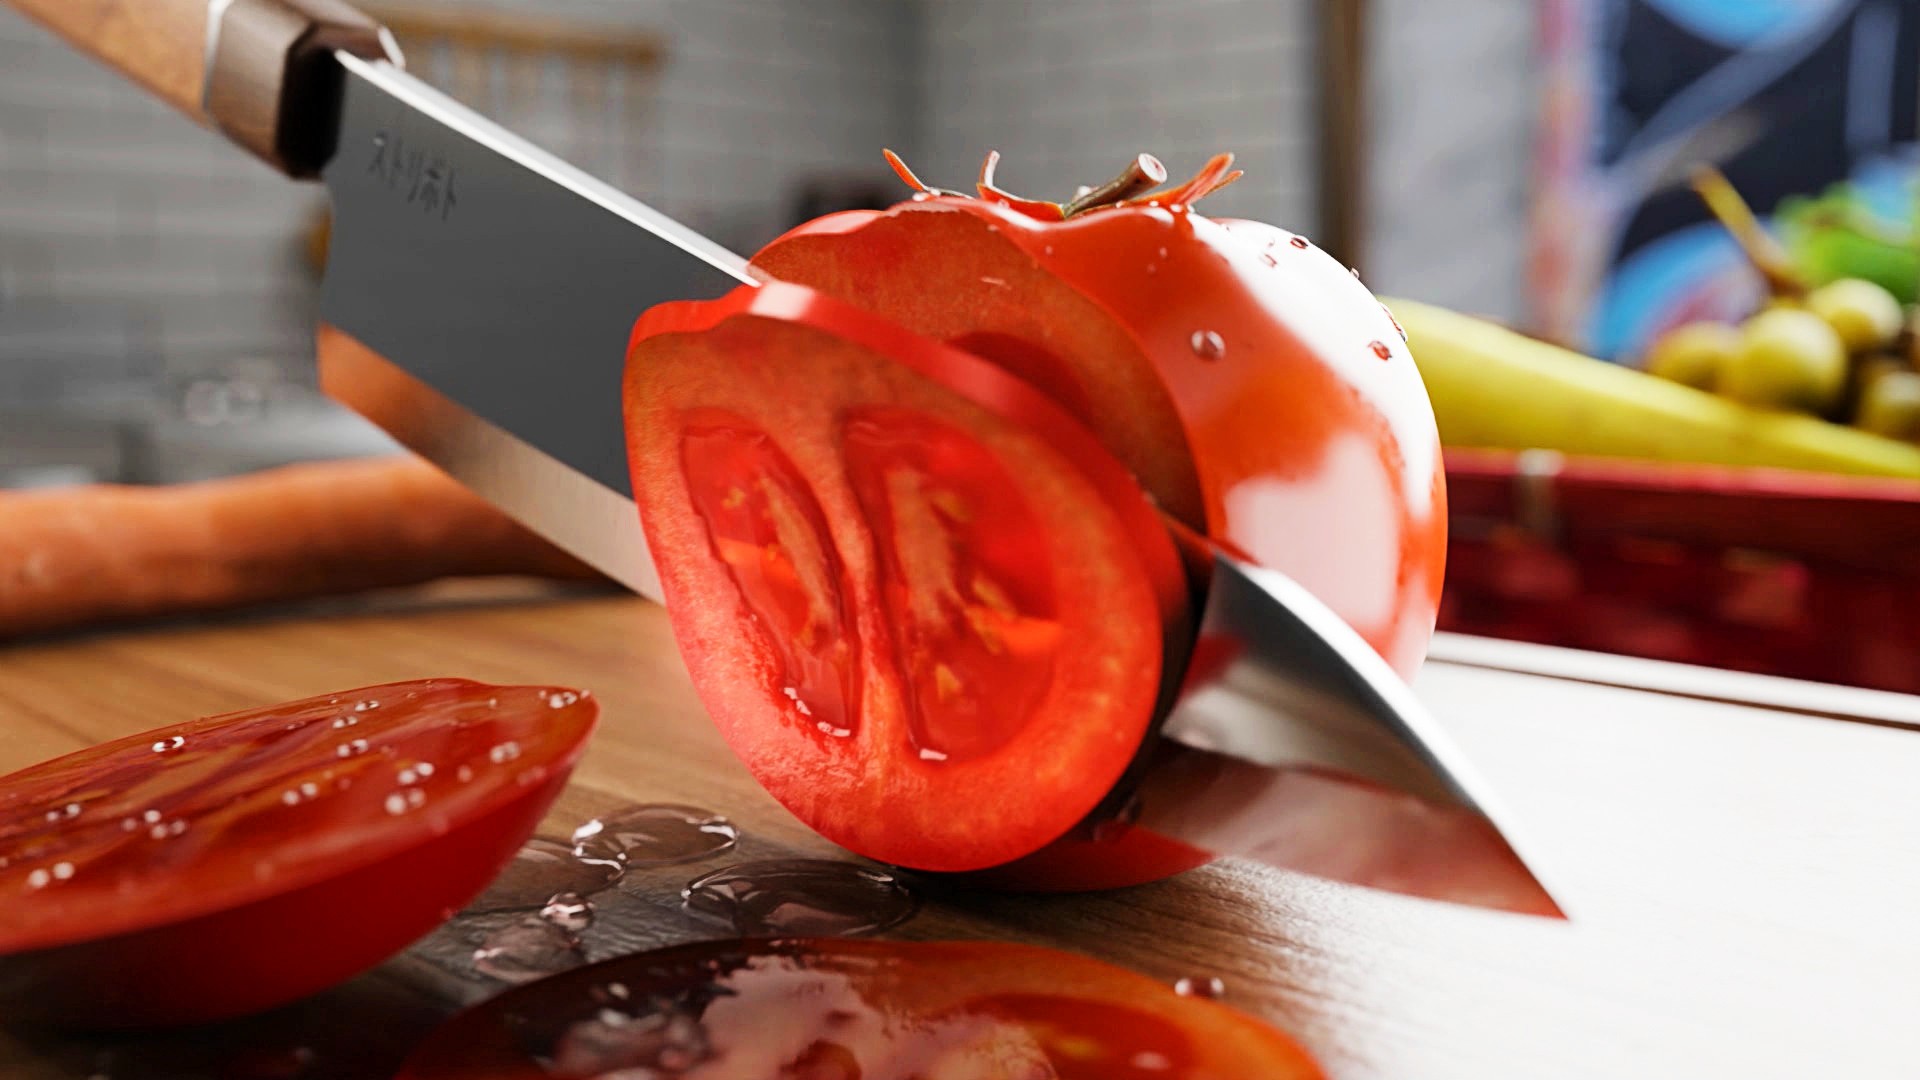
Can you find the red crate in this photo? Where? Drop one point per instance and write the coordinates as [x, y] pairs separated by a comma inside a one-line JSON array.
[[1805, 575]]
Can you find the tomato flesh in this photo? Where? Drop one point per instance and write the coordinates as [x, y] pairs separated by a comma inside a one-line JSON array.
[[930, 631], [841, 1009], [232, 863], [1234, 367]]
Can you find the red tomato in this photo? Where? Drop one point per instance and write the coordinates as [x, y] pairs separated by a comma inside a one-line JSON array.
[[924, 606], [1255, 387], [230, 864], [855, 1010]]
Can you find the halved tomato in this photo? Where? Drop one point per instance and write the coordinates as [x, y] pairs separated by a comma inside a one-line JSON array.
[[233, 863], [855, 1010], [1255, 387], [924, 606]]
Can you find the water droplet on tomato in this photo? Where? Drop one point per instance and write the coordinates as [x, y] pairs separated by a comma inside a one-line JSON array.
[[1381, 350], [463, 774], [563, 699], [659, 834], [345, 721], [1178, 208], [349, 749], [402, 801], [504, 752], [39, 879], [1300, 242], [150, 816], [568, 911], [1047, 249], [174, 742], [1163, 253], [543, 868], [928, 753], [365, 706], [801, 897], [1206, 986], [1208, 344], [527, 949], [1150, 1061], [1152, 269]]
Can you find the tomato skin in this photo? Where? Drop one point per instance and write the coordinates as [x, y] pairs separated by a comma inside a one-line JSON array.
[[305, 871], [1306, 449], [1087, 600], [877, 1010]]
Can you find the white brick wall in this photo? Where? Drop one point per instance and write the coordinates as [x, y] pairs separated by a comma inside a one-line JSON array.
[[1067, 89], [1454, 100], [135, 246]]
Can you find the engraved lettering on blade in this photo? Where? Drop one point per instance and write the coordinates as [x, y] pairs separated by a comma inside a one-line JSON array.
[[426, 178]]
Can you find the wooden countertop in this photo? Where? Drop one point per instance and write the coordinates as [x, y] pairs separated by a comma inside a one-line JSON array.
[[1742, 878]]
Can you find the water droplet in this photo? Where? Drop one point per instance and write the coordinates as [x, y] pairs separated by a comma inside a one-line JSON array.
[[527, 949], [665, 1041], [1047, 250], [1163, 253], [1152, 269], [348, 749], [408, 776], [568, 911], [345, 721], [1267, 257], [1381, 350], [1208, 344], [1355, 271], [364, 706], [425, 768], [562, 699], [801, 897], [836, 732], [39, 878], [543, 868], [503, 753], [1177, 208], [601, 850], [1396, 322], [463, 774], [1300, 242], [928, 753], [150, 816], [1149, 1061], [173, 742], [1209, 987], [659, 834]]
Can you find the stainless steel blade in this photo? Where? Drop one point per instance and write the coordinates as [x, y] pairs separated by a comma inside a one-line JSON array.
[[505, 283], [1295, 744]]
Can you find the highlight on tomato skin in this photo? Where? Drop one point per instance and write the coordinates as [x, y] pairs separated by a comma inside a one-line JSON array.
[[228, 864], [1234, 367], [832, 1009], [923, 605]]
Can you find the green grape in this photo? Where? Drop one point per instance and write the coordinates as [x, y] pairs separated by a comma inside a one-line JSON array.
[[1693, 354], [1788, 359], [1890, 406], [1865, 315]]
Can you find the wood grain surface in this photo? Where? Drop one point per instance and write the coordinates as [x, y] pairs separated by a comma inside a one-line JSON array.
[[1742, 879]]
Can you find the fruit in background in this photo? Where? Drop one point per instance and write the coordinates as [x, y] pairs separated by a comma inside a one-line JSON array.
[[1497, 389], [1865, 315], [1787, 359], [1835, 235], [1890, 406], [1693, 354]]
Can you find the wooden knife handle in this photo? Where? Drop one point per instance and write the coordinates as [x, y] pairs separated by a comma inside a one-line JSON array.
[[255, 69]]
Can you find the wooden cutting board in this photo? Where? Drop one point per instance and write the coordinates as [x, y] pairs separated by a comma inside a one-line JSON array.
[[1743, 879]]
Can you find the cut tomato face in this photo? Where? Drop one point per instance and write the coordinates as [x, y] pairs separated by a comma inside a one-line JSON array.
[[1255, 387], [924, 606], [838, 1010], [230, 864]]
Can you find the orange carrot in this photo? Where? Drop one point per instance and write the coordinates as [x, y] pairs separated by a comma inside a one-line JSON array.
[[103, 553]]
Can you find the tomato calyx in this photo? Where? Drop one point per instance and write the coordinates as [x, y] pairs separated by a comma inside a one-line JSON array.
[[1137, 185]]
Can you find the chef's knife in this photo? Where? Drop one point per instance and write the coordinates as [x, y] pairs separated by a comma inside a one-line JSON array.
[[478, 297]]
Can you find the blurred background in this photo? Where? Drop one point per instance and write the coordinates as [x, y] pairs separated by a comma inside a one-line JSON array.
[[157, 287], [1532, 162]]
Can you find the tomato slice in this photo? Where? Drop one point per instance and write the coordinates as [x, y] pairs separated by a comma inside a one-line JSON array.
[[838, 1009], [236, 862], [923, 605]]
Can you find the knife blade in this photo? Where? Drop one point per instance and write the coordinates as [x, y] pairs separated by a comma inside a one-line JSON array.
[[477, 303]]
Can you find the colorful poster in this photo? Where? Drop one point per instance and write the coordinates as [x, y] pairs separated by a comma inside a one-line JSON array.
[[1809, 106]]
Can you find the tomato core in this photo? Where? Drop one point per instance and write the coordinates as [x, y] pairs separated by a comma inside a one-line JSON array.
[[767, 530], [964, 576]]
